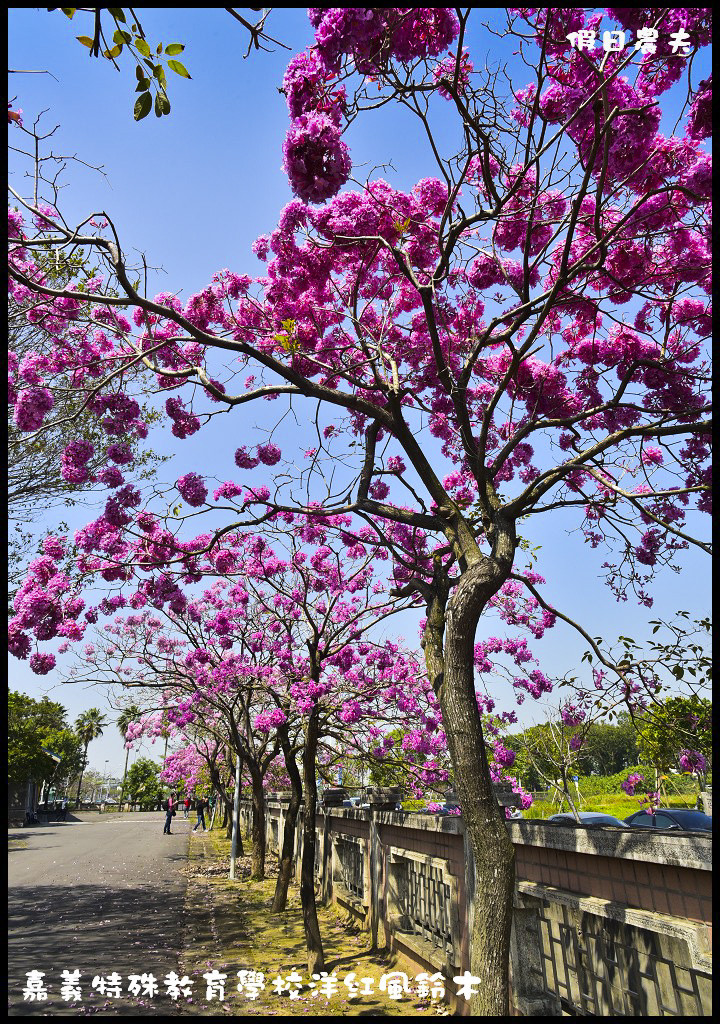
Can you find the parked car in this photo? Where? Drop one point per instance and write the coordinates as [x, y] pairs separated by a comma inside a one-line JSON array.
[[672, 817], [586, 818]]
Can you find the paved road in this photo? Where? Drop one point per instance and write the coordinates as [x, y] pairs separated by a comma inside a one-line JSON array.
[[99, 893]]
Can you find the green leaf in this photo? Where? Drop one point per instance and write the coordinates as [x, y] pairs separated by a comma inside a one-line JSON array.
[[68, 11], [158, 49], [142, 47], [115, 52], [178, 68], [143, 106], [117, 13], [85, 40], [121, 37], [143, 85], [162, 104], [159, 73], [172, 49]]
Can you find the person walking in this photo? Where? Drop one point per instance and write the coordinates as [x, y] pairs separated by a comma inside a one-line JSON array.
[[170, 812], [186, 806], [200, 806]]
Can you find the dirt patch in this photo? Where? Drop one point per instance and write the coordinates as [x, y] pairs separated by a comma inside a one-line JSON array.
[[229, 928]]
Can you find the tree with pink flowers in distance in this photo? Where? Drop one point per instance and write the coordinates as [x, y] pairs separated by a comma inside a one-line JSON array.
[[204, 765], [190, 679], [321, 608], [280, 655], [523, 333]]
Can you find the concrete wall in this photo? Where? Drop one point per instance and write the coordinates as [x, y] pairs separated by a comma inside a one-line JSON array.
[[607, 922]]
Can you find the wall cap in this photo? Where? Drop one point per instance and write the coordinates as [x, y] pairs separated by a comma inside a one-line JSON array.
[[656, 846]]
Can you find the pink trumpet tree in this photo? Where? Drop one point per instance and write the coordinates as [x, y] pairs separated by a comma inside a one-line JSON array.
[[522, 332], [282, 656]]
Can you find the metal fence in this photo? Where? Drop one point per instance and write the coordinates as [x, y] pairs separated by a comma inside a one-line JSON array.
[[606, 968], [425, 901], [351, 860]]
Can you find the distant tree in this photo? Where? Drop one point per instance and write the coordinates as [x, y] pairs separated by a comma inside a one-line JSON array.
[[32, 726], [143, 783], [609, 748], [89, 725], [91, 782], [129, 714], [673, 734]]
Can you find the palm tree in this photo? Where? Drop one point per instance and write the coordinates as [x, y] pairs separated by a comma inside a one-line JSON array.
[[89, 725], [128, 714]]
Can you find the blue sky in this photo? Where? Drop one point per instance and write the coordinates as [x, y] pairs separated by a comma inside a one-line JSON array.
[[194, 189]]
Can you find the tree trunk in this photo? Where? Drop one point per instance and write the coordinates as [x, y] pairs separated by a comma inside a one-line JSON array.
[[227, 822], [258, 825], [122, 788], [451, 668], [288, 844], [227, 810], [315, 958], [82, 772]]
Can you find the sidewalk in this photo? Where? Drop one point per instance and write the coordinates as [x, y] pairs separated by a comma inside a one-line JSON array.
[[230, 928]]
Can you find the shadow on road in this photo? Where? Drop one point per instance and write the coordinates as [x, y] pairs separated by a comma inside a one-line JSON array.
[[97, 930]]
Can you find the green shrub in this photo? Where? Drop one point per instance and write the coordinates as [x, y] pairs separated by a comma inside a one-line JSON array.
[[415, 805], [595, 785]]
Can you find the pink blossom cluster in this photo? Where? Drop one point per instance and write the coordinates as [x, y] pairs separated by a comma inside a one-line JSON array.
[[307, 84], [192, 489], [629, 784], [74, 461], [446, 71], [31, 407], [692, 761], [571, 714], [46, 606], [315, 158], [268, 720], [700, 113], [370, 36], [184, 423]]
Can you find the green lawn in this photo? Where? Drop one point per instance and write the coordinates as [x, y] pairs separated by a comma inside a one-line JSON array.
[[618, 804]]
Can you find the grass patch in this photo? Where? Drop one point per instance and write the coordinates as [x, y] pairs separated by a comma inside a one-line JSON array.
[[230, 928], [618, 804]]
